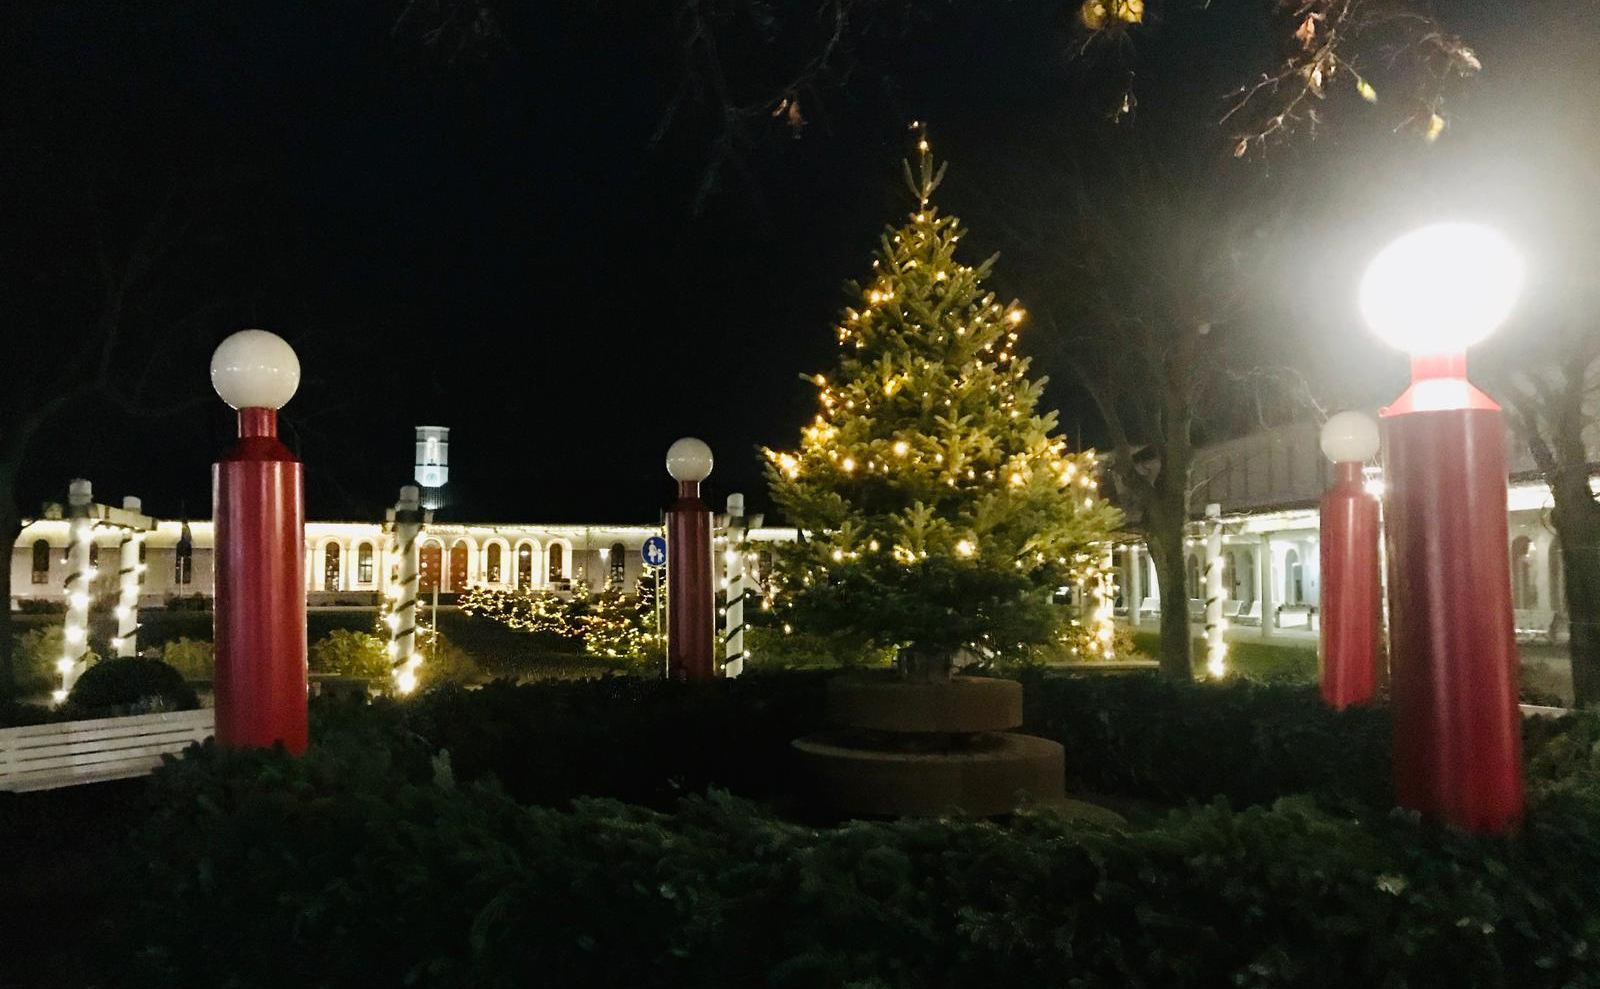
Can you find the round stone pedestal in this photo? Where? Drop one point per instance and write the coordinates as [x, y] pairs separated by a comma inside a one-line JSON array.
[[912, 748]]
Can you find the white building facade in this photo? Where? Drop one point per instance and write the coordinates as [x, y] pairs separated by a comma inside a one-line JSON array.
[[1268, 485], [350, 562]]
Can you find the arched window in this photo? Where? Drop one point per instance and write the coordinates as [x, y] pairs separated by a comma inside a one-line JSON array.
[[491, 563], [556, 551], [1195, 590], [1294, 580], [1245, 578], [429, 562], [456, 579], [330, 567], [364, 565], [41, 561], [1558, 578], [1524, 592], [524, 566], [619, 564], [1230, 576]]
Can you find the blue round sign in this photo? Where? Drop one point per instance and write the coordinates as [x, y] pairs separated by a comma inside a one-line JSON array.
[[655, 552]]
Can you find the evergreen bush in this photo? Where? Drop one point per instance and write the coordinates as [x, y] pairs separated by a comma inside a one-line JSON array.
[[130, 685]]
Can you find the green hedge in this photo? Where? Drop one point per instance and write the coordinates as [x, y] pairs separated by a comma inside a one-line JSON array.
[[364, 864]]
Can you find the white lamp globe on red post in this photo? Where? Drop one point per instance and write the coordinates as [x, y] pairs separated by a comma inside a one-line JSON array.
[[691, 598], [1348, 564], [258, 509], [1433, 293]]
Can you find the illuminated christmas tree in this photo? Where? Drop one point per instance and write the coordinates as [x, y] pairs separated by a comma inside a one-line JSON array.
[[938, 510]]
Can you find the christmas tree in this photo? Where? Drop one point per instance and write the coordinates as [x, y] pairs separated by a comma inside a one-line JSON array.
[[937, 509]]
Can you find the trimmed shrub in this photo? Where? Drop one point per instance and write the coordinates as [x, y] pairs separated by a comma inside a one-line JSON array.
[[34, 658], [365, 864], [196, 659], [350, 653], [131, 685]]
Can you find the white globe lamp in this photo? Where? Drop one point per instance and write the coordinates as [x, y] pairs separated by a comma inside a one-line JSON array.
[[254, 369], [689, 460], [1442, 288], [1350, 437]]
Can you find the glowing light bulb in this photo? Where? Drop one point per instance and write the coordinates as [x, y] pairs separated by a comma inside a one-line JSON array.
[[965, 548]]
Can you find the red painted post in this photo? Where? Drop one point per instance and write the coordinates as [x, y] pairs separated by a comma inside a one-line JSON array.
[[258, 509], [1350, 590], [691, 603], [1453, 667]]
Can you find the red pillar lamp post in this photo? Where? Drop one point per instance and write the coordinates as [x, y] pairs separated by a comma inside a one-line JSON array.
[[1349, 565], [1453, 659], [258, 509], [691, 603]]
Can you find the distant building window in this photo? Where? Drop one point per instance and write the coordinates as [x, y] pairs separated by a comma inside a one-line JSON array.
[[364, 567], [619, 564], [330, 567], [524, 566], [183, 564], [1195, 590], [1524, 591], [1294, 580], [491, 563], [557, 551], [41, 562]]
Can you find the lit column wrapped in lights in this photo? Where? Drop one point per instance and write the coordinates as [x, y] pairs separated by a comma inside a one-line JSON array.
[[737, 585], [1453, 659], [1216, 624], [409, 518], [80, 579], [128, 579]]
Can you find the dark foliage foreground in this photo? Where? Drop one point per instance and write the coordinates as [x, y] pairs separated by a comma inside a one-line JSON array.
[[380, 860]]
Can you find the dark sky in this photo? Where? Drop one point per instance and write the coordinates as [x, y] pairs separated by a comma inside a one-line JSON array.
[[491, 246]]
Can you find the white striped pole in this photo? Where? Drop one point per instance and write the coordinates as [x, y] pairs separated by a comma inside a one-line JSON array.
[[80, 575], [737, 584], [1216, 646], [127, 641], [408, 521]]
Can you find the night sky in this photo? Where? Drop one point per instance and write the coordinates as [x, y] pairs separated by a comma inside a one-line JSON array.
[[497, 246]]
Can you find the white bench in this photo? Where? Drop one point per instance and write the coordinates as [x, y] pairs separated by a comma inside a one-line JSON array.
[[41, 757]]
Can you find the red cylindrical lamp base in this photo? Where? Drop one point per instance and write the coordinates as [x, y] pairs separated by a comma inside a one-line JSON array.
[[1351, 606], [258, 509], [691, 606], [1453, 665]]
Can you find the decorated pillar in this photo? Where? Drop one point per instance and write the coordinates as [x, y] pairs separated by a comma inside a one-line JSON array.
[[129, 577], [78, 587], [258, 508], [735, 587], [409, 519], [691, 603], [1351, 602], [1216, 625]]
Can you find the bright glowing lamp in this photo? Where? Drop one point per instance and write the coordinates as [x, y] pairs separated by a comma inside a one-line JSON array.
[[1350, 437], [1442, 288], [689, 459], [254, 369]]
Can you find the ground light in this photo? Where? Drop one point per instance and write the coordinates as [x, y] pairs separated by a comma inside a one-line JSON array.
[[1433, 293]]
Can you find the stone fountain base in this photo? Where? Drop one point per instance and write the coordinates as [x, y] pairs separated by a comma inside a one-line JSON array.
[[913, 748]]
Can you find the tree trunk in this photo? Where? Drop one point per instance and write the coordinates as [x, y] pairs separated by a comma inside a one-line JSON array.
[[1577, 525], [1164, 537]]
